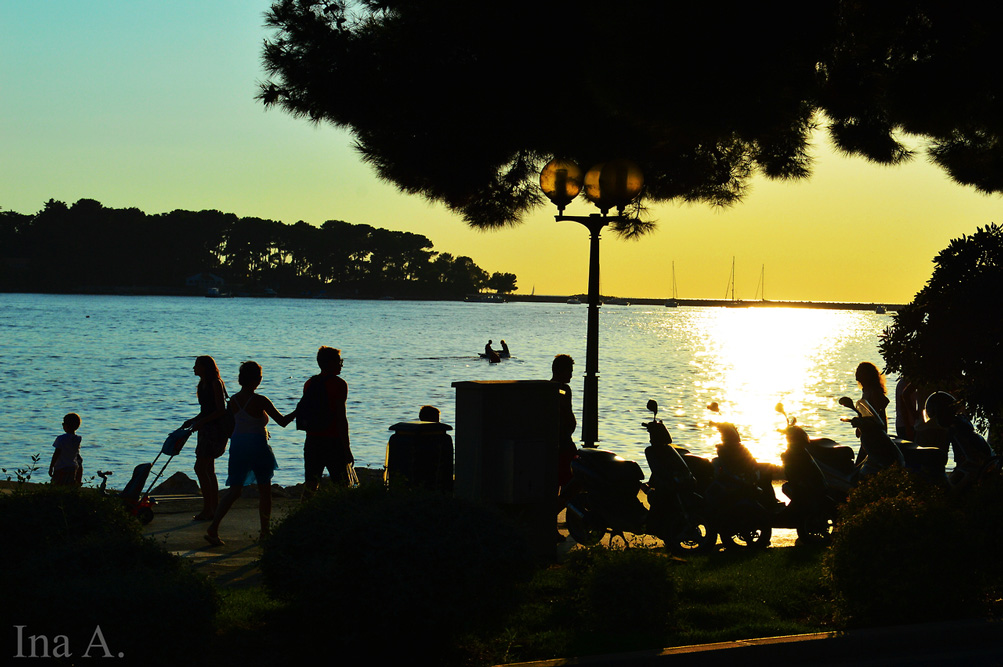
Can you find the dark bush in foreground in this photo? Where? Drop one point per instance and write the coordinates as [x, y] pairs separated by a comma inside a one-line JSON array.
[[45, 516], [903, 552], [76, 566], [983, 509], [625, 590], [393, 568]]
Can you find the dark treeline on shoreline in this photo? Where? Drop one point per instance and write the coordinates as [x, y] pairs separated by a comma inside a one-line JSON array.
[[88, 247]]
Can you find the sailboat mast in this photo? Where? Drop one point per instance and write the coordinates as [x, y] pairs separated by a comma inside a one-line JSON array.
[[733, 278]]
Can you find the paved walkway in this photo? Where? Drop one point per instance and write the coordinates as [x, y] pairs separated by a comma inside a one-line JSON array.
[[233, 564]]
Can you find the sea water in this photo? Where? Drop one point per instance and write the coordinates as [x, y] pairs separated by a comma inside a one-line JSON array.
[[124, 363]]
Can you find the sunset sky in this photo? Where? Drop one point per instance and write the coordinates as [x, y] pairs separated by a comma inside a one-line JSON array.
[[148, 104]]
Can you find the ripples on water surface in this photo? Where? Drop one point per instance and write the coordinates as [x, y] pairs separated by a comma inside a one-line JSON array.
[[124, 364]]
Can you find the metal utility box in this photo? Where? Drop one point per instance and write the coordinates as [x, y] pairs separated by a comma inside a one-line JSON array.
[[507, 437], [420, 454]]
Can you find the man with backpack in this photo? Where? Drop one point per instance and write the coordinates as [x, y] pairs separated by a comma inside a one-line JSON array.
[[321, 413]]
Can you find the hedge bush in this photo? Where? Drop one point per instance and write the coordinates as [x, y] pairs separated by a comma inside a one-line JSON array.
[[625, 590], [74, 561], [380, 570], [983, 510], [903, 552]]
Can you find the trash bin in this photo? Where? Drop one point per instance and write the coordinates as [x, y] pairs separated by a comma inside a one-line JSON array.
[[420, 454], [507, 437]]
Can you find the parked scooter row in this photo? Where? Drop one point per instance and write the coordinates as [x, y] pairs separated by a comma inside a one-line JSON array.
[[946, 428], [692, 500], [609, 500], [747, 512]]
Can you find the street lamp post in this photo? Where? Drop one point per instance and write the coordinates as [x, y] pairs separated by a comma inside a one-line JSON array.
[[609, 185]]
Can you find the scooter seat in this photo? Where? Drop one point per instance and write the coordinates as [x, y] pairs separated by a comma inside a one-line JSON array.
[[931, 458], [606, 468], [831, 453]]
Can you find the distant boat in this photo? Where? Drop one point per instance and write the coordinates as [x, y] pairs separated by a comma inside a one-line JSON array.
[[616, 301], [484, 298], [573, 301], [731, 287], [674, 301], [761, 287], [880, 310]]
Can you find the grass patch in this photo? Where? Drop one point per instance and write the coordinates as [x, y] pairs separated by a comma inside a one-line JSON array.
[[731, 595], [243, 609], [720, 597], [566, 612]]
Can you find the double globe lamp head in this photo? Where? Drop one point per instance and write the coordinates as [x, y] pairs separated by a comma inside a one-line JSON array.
[[608, 185]]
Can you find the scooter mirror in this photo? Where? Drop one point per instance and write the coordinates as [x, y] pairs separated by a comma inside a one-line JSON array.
[[653, 407], [780, 408], [847, 402], [713, 407]]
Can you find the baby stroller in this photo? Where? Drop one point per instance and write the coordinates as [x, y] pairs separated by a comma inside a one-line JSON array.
[[138, 502]]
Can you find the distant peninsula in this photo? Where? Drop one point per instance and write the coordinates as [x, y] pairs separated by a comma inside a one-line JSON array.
[[89, 248]]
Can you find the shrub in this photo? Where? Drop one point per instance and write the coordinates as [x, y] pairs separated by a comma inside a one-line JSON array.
[[394, 569], [46, 517], [76, 562], [896, 552], [625, 590], [983, 510]]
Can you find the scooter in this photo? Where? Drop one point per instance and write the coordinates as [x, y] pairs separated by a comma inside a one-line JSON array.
[[836, 461], [609, 500], [812, 510], [973, 457], [743, 504], [739, 497], [877, 449]]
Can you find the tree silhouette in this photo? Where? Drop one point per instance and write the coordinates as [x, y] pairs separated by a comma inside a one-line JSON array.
[[87, 246], [502, 282], [926, 68], [949, 337], [463, 102]]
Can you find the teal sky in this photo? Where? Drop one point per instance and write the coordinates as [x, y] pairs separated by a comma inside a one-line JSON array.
[[151, 105]]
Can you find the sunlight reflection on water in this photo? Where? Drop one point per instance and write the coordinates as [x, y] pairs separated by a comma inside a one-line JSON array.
[[746, 359]]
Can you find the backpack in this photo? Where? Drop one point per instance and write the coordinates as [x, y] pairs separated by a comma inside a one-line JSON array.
[[313, 412]]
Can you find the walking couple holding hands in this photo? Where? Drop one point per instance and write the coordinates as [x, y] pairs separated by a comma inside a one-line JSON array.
[[320, 412]]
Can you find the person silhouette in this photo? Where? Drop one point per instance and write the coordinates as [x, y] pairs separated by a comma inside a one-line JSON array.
[[212, 432], [872, 385], [327, 446], [491, 355], [251, 459], [562, 369], [66, 467]]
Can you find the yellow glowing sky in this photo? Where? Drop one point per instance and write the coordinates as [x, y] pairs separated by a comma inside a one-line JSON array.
[[151, 104]]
